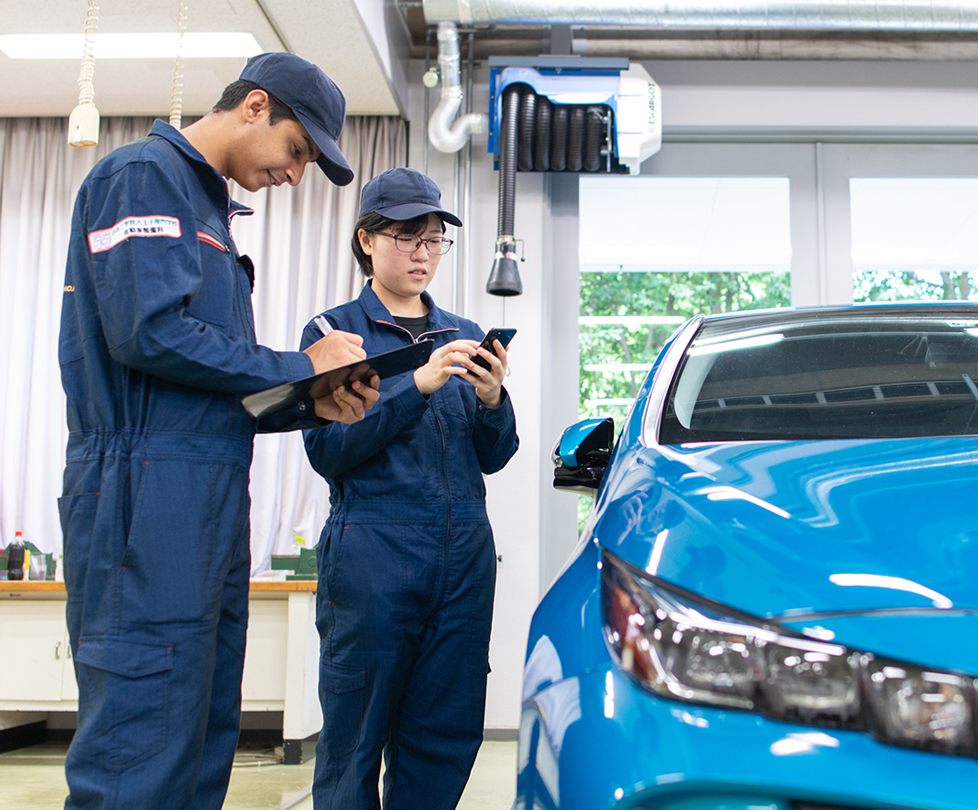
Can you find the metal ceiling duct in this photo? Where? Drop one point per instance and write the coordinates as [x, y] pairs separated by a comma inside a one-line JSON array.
[[443, 134], [757, 18], [922, 16]]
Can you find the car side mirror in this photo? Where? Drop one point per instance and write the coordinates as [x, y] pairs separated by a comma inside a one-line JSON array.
[[581, 455]]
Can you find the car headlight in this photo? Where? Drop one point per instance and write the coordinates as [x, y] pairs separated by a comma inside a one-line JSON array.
[[689, 649], [914, 706]]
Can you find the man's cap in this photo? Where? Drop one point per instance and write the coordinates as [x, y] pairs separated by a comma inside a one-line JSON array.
[[402, 194], [316, 101]]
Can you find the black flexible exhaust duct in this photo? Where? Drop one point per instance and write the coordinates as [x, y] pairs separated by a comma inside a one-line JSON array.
[[505, 278], [593, 128], [541, 146], [558, 141], [524, 138], [548, 137], [537, 135]]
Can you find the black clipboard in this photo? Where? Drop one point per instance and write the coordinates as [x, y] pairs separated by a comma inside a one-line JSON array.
[[383, 365]]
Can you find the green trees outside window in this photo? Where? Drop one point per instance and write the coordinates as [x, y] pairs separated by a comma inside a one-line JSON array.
[[627, 317]]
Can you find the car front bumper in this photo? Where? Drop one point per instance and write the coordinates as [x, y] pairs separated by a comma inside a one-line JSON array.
[[598, 740]]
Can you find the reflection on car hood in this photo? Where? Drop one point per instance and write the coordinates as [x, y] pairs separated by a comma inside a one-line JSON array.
[[933, 638], [781, 528]]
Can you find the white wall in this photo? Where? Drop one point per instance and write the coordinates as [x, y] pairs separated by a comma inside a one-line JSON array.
[[817, 97], [535, 527], [515, 493], [390, 40]]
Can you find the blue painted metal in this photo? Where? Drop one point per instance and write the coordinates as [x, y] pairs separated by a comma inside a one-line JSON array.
[[596, 740], [775, 528], [872, 543], [561, 87], [571, 440]]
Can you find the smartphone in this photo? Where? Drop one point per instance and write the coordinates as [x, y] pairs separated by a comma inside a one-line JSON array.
[[504, 336]]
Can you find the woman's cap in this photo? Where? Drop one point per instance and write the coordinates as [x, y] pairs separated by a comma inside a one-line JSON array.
[[402, 194], [311, 95]]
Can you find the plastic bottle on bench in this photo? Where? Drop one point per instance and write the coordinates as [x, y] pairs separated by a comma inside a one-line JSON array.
[[15, 557]]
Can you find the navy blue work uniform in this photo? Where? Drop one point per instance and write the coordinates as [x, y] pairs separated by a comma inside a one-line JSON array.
[[157, 347], [407, 570]]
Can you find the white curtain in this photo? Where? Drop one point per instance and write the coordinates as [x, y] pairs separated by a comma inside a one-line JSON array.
[[299, 240]]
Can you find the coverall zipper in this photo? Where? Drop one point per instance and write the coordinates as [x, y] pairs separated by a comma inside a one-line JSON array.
[[443, 574]]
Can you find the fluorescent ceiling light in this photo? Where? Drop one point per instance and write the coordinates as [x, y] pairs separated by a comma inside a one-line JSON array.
[[130, 46]]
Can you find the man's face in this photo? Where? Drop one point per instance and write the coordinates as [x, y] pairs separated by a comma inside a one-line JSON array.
[[267, 155]]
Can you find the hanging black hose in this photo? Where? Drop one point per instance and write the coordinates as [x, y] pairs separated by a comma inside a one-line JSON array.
[[524, 140], [558, 145], [507, 161], [593, 130], [575, 142], [551, 137], [537, 135], [505, 278], [541, 141]]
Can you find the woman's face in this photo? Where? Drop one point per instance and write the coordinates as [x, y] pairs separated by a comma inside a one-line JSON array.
[[399, 276]]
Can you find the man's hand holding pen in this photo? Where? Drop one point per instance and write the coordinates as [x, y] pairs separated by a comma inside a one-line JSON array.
[[336, 349]]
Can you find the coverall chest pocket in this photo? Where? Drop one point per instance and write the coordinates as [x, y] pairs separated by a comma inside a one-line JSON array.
[[456, 407], [214, 300]]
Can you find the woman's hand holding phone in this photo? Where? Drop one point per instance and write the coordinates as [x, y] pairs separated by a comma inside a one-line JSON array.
[[482, 365], [445, 362], [486, 373]]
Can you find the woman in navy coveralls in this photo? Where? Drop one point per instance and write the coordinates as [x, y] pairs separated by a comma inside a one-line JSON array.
[[407, 562]]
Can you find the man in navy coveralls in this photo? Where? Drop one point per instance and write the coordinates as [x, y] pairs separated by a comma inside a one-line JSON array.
[[157, 348]]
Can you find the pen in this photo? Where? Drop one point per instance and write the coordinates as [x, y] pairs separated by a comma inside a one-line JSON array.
[[323, 324]]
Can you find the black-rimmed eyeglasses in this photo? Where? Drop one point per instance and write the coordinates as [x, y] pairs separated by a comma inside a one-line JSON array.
[[408, 243]]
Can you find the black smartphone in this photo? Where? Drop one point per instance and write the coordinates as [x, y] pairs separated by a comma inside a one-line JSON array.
[[504, 336]]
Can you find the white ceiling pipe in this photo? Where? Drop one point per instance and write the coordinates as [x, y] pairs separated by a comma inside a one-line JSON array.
[[445, 135], [922, 16], [775, 47]]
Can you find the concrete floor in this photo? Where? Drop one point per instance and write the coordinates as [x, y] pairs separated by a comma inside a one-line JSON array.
[[33, 779]]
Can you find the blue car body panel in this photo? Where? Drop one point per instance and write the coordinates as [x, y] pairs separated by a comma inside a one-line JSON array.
[[591, 738], [595, 741], [772, 527], [872, 544]]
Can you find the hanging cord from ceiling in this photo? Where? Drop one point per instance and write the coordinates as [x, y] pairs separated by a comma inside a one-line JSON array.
[[83, 123], [176, 96]]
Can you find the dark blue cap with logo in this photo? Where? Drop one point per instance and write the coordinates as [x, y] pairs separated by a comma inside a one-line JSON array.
[[402, 194], [311, 95]]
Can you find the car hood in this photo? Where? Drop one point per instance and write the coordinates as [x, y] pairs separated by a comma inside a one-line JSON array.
[[792, 528], [933, 638]]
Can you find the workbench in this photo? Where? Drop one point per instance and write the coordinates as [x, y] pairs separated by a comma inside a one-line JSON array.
[[281, 662]]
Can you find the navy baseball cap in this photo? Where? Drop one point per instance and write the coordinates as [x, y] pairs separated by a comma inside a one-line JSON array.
[[402, 194], [316, 101]]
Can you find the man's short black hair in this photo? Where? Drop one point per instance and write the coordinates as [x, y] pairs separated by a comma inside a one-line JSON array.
[[236, 92], [376, 222]]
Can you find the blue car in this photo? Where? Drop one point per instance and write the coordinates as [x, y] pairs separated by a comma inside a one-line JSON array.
[[774, 601]]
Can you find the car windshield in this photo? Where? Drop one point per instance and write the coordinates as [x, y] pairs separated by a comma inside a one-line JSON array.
[[827, 375]]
